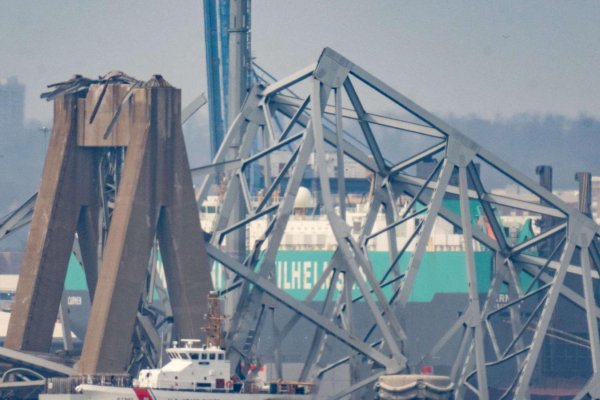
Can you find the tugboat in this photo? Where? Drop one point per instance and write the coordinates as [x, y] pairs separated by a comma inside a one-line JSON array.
[[195, 371]]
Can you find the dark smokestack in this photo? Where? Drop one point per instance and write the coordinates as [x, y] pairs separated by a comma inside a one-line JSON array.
[[545, 174], [546, 222], [585, 192]]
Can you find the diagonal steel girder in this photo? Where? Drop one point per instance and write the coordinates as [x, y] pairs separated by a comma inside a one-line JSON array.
[[306, 312], [456, 152]]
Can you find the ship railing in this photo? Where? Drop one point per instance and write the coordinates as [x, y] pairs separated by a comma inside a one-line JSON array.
[[70, 384]]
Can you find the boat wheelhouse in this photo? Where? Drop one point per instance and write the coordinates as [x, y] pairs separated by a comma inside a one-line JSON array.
[[191, 366]]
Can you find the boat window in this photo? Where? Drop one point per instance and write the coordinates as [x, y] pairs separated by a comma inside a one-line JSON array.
[[212, 356], [194, 356], [220, 356], [185, 356], [204, 356]]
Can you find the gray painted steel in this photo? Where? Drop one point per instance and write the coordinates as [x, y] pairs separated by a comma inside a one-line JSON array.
[[381, 346]]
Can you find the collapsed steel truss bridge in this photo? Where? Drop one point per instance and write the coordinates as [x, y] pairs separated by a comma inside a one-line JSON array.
[[273, 120], [323, 110]]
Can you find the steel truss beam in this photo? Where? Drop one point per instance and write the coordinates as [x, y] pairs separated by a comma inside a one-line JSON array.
[[384, 340]]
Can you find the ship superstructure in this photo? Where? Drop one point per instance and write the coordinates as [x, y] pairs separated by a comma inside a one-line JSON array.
[[191, 366]]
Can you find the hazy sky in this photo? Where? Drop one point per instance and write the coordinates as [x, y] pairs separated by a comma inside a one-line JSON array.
[[462, 57]]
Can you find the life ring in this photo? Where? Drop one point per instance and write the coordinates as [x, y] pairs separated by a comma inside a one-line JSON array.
[[229, 384]]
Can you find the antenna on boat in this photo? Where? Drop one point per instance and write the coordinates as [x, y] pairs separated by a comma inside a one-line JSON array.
[[162, 346], [214, 318]]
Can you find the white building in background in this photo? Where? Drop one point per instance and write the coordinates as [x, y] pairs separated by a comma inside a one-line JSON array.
[[596, 198], [570, 197]]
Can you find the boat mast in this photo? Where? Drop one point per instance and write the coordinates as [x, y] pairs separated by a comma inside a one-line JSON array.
[[214, 318]]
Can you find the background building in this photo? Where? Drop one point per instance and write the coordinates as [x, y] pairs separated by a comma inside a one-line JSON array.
[[12, 101]]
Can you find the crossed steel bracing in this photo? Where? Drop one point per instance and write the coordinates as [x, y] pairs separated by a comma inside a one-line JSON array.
[[319, 122]]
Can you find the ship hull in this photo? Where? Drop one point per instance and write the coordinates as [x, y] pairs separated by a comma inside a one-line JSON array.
[[93, 392]]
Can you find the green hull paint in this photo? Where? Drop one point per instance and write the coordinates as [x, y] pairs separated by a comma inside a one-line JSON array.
[[75, 279], [440, 272], [298, 271]]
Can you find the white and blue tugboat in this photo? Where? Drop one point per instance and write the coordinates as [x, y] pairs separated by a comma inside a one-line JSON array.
[[195, 371]]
